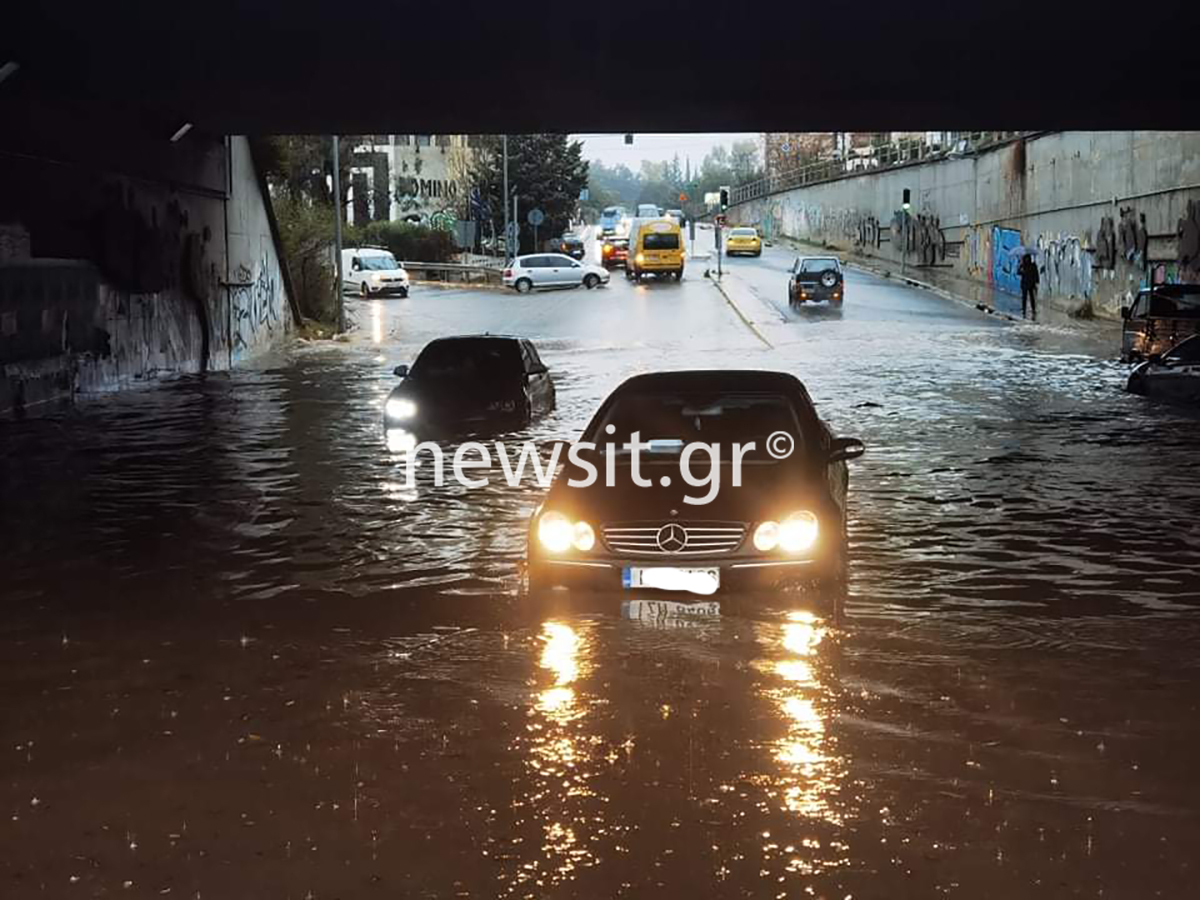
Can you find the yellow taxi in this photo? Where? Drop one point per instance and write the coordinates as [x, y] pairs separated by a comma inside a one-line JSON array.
[[655, 248], [743, 240]]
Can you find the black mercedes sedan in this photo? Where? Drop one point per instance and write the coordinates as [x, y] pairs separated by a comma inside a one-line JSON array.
[[461, 383], [704, 482]]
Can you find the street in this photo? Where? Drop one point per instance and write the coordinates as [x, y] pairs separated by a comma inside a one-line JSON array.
[[243, 659]]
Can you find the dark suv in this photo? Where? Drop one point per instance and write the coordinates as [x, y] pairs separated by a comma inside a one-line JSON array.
[[816, 279]]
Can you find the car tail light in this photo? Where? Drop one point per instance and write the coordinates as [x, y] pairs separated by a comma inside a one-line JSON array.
[[508, 273]]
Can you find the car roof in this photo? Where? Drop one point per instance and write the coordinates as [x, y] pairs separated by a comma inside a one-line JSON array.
[[477, 337], [716, 380]]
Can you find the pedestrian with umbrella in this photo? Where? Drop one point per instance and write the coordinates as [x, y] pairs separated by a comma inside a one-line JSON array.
[[1028, 271]]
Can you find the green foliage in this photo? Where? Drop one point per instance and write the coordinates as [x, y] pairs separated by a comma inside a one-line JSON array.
[[306, 230], [547, 172], [406, 240]]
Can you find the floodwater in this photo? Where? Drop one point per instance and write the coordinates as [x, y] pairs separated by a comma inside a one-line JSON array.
[[243, 659]]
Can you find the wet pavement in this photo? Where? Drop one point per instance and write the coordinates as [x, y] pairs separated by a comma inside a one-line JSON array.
[[243, 659]]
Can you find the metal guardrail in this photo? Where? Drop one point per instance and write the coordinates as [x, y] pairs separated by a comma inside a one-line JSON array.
[[883, 157], [457, 271]]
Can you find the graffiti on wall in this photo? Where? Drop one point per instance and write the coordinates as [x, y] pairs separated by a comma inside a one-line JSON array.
[[254, 305], [1004, 260], [1106, 245], [1066, 266], [869, 232], [1187, 234], [930, 240]]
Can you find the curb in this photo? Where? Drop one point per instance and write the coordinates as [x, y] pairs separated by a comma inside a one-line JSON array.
[[738, 311]]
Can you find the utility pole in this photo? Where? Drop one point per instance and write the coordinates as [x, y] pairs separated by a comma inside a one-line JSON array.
[[508, 254], [337, 236]]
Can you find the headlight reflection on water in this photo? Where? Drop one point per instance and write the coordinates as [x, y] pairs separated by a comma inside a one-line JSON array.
[[810, 772]]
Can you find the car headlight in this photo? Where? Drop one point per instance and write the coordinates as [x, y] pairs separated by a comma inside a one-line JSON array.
[[400, 408], [558, 534], [766, 537], [375, 276], [795, 534], [641, 258]]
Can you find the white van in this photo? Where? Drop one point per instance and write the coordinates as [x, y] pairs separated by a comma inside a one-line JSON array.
[[649, 211], [373, 270]]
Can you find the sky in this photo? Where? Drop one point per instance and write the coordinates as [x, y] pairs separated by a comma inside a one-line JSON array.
[[612, 150]]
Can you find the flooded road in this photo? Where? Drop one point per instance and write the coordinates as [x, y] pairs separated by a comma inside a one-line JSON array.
[[243, 659]]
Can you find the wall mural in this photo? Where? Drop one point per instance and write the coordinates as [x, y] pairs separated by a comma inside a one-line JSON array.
[[1187, 234], [1004, 261]]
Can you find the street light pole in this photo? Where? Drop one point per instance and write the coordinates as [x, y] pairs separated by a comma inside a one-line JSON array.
[[337, 236], [507, 235]]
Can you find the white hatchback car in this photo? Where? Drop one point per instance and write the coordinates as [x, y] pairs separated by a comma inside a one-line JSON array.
[[552, 270]]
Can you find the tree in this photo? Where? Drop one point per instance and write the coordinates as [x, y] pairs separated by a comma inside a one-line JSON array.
[[743, 162], [545, 171]]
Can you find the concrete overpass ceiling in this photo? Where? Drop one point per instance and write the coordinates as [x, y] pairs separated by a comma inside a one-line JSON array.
[[252, 66]]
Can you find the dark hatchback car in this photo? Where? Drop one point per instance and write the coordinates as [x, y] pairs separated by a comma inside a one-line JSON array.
[[1159, 319], [570, 244], [1175, 375], [816, 279], [458, 384], [614, 252], [785, 525]]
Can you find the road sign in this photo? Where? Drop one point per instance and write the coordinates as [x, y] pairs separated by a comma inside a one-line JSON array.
[[683, 198], [536, 217]]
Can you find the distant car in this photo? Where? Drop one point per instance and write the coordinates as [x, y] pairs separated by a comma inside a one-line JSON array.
[[373, 270], [1175, 375], [459, 382], [743, 240], [1159, 319], [570, 244], [611, 220], [678, 216], [816, 279], [552, 270], [614, 252], [649, 211], [785, 523]]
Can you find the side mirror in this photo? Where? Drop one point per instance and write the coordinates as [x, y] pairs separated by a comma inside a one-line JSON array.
[[845, 448], [356, 266], [538, 370], [400, 371], [1124, 312]]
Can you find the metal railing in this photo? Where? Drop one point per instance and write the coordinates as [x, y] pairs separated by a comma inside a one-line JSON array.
[[882, 156], [489, 274]]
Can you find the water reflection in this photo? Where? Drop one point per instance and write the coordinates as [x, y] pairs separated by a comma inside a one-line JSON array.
[[810, 770], [558, 754]]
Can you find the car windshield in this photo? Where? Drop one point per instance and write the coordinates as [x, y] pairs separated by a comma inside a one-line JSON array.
[[611, 212], [668, 421], [656, 241], [744, 232], [378, 263], [469, 359], [817, 265], [1178, 301], [1187, 351]]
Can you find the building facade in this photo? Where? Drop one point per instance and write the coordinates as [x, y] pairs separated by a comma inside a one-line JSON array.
[[411, 177]]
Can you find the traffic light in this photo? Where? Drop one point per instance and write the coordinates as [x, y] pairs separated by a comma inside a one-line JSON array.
[[907, 197], [629, 138], [724, 198]]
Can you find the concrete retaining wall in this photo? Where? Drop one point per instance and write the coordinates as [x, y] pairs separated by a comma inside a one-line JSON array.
[[109, 278], [1106, 209]]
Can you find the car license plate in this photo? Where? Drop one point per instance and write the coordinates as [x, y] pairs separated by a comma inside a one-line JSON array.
[[668, 609], [664, 578]]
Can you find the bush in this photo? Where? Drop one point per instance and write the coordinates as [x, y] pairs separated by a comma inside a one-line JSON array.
[[407, 241], [306, 230]]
